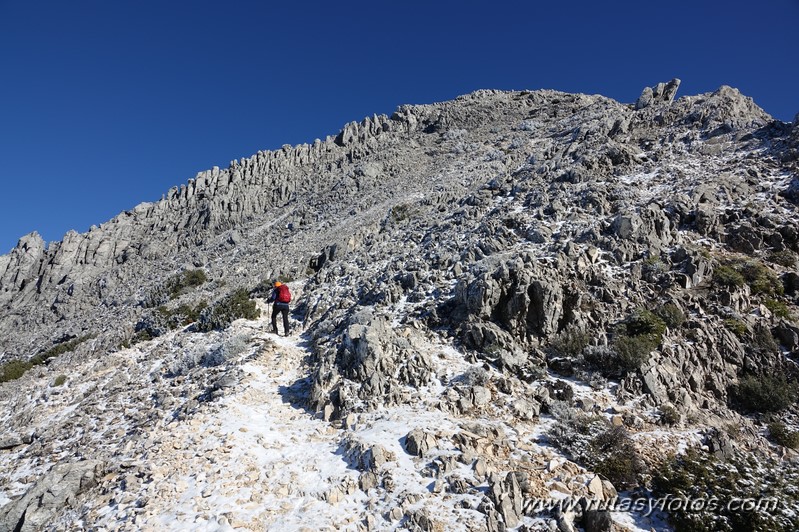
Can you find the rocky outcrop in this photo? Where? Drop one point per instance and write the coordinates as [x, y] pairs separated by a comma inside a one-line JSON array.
[[372, 365], [484, 259], [660, 93], [50, 496], [419, 442]]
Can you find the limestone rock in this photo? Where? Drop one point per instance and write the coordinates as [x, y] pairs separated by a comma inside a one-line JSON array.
[[419, 442], [51, 494], [660, 93], [472, 260]]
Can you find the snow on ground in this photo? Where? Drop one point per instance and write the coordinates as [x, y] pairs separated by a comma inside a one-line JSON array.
[[256, 459]]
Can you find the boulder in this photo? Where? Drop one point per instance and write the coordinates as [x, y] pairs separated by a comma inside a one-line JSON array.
[[54, 492], [660, 93], [418, 442], [597, 521]]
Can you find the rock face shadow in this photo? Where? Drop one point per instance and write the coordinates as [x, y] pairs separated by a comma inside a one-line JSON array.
[[296, 395]]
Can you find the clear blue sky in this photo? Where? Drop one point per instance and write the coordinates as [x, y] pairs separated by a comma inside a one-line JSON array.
[[108, 103]]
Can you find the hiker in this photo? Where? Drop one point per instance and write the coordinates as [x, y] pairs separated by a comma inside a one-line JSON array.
[[281, 296]]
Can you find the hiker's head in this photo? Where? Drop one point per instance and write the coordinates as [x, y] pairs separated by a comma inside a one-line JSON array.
[[278, 283]]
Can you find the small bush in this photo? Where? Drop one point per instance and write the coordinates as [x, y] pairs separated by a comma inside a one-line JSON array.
[[590, 440], [698, 476], [163, 319], [785, 258], [474, 376], [184, 314], [645, 322], [633, 342], [778, 308], [669, 415], [738, 327], [400, 213], [221, 353], [571, 341], [174, 287], [762, 341], [735, 273], [60, 380], [728, 277], [653, 264], [59, 349], [633, 351], [574, 430], [143, 335], [235, 306], [764, 393], [614, 456], [13, 370], [782, 436], [185, 281], [671, 314], [761, 279]]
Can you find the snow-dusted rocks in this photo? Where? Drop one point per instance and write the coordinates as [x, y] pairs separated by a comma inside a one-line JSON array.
[[50, 496], [469, 277]]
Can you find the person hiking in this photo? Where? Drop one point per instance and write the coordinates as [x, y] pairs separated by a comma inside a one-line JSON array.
[[280, 296]]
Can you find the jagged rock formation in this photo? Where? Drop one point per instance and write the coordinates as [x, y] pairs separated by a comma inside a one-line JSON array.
[[47, 498], [528, 230]]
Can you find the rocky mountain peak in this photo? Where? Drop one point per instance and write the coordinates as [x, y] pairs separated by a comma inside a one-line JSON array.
[[500, 300]]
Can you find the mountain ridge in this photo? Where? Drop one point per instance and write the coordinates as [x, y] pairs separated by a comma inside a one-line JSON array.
[[522, 264]]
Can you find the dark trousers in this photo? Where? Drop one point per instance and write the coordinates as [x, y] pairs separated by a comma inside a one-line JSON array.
[[283, 308]]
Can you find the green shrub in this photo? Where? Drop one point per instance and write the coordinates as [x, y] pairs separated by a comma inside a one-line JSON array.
[[669, 415], [16, 368], [671, 314], [143, 335], [574, 429], [571, 341], [765, 393], [185, 314], [762, 341], [785, 258], [782, 436], [13, 370], [399, 213], [728, 277], [761, 279], [163, 319], [185, 281], [60, 380], [633, 351], [645, 322], [615, 457], [778, 308], [653, 264], [738, 327], [59, 349], [236, 305], [589, 440], [699, 476]]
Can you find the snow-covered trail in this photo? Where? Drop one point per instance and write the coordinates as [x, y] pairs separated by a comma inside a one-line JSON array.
[[256, 459], [253, 460]]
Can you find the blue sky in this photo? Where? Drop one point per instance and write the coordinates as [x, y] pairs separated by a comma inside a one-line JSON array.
[[105, 104]]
